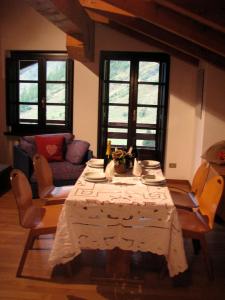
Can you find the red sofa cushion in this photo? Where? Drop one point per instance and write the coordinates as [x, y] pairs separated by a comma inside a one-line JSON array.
[[51, 147]]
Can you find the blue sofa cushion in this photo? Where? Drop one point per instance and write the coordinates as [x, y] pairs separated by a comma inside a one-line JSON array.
[[76, 151]]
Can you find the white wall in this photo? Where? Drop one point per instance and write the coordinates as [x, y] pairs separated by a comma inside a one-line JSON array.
[[181, 120], [214, 122], [210, 114], [30, 31], [21, 28]]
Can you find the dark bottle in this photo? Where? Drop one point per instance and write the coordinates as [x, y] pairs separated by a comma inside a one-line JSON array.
[[108, 154], [134, 152], [129, 158]]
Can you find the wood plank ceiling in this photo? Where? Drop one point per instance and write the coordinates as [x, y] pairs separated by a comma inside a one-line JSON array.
[[190, 30]]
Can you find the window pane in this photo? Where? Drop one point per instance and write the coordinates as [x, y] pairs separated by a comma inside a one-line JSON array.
[[146, 143], [148, 94], [148, 131], [28, 92], [110, 129], [119, 142], [146, 115], [148, 71], [28, 112], [117, 133], [118, 114], [118, 93], [55, 93], [28, 70], [55, 112], [56, 71], [119, 70]]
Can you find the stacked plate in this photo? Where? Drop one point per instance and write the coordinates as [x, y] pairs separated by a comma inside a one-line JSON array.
[[153, 180], [95, 163], [150, 164], [95, 176]]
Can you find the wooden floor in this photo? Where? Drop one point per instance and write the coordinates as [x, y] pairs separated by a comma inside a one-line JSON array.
[[87, 281]]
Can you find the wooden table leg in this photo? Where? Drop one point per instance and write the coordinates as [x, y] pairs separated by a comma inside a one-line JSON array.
[[118, 263]]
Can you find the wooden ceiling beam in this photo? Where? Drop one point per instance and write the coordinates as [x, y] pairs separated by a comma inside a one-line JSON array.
[[98, 18], [166, 38], [143, 38], [155, 43], [75, 49], [99, 4], [71, 18], [208, 12], [175, 23]]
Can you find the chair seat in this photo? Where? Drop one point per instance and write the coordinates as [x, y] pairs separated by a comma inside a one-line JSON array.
[[51, 216], [57, 195], [192, 221], [61, 191], [183, 200], [32, 216]]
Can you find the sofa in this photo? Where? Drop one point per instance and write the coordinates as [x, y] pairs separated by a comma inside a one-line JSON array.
[[67, 157]]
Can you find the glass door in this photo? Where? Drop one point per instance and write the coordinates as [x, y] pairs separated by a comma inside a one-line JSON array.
[[133, 102]]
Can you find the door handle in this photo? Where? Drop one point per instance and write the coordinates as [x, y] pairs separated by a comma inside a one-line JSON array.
[[134, 115], [43, 102]]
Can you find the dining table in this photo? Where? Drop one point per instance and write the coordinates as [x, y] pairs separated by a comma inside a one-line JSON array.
[[121, 211]]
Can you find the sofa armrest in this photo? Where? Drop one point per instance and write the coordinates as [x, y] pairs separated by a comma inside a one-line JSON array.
[[22, 161], [89, 155]]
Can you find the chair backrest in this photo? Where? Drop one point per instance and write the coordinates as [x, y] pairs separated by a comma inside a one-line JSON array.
[[199, 179], [22, 193], [43, 175], [29, 214], [210, 198]]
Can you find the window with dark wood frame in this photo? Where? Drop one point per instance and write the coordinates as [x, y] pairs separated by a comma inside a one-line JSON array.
[[39, 92], [133, 102]]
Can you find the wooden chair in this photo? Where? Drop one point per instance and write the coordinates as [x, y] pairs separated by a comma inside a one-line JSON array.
[[188, 198], [40, 220], [46, 188], [195, 224]]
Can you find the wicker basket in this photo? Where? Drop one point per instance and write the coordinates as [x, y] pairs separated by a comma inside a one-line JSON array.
[[120, 168]]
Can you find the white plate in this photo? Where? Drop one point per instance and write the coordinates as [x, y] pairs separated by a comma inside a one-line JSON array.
[[95, 163], [96, 180], [94, 176], [150, 164], [154, 183], [153, 179]]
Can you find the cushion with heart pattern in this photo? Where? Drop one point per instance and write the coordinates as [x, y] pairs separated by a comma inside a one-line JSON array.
[[51, 147]]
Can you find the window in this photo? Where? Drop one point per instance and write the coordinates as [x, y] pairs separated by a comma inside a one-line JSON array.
[[39, 90], [133, 102]]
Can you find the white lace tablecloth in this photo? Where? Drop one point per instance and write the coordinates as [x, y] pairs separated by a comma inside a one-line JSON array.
[[124, 213]]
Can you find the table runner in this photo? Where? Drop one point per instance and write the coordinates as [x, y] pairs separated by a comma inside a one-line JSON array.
[[124, 213]]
